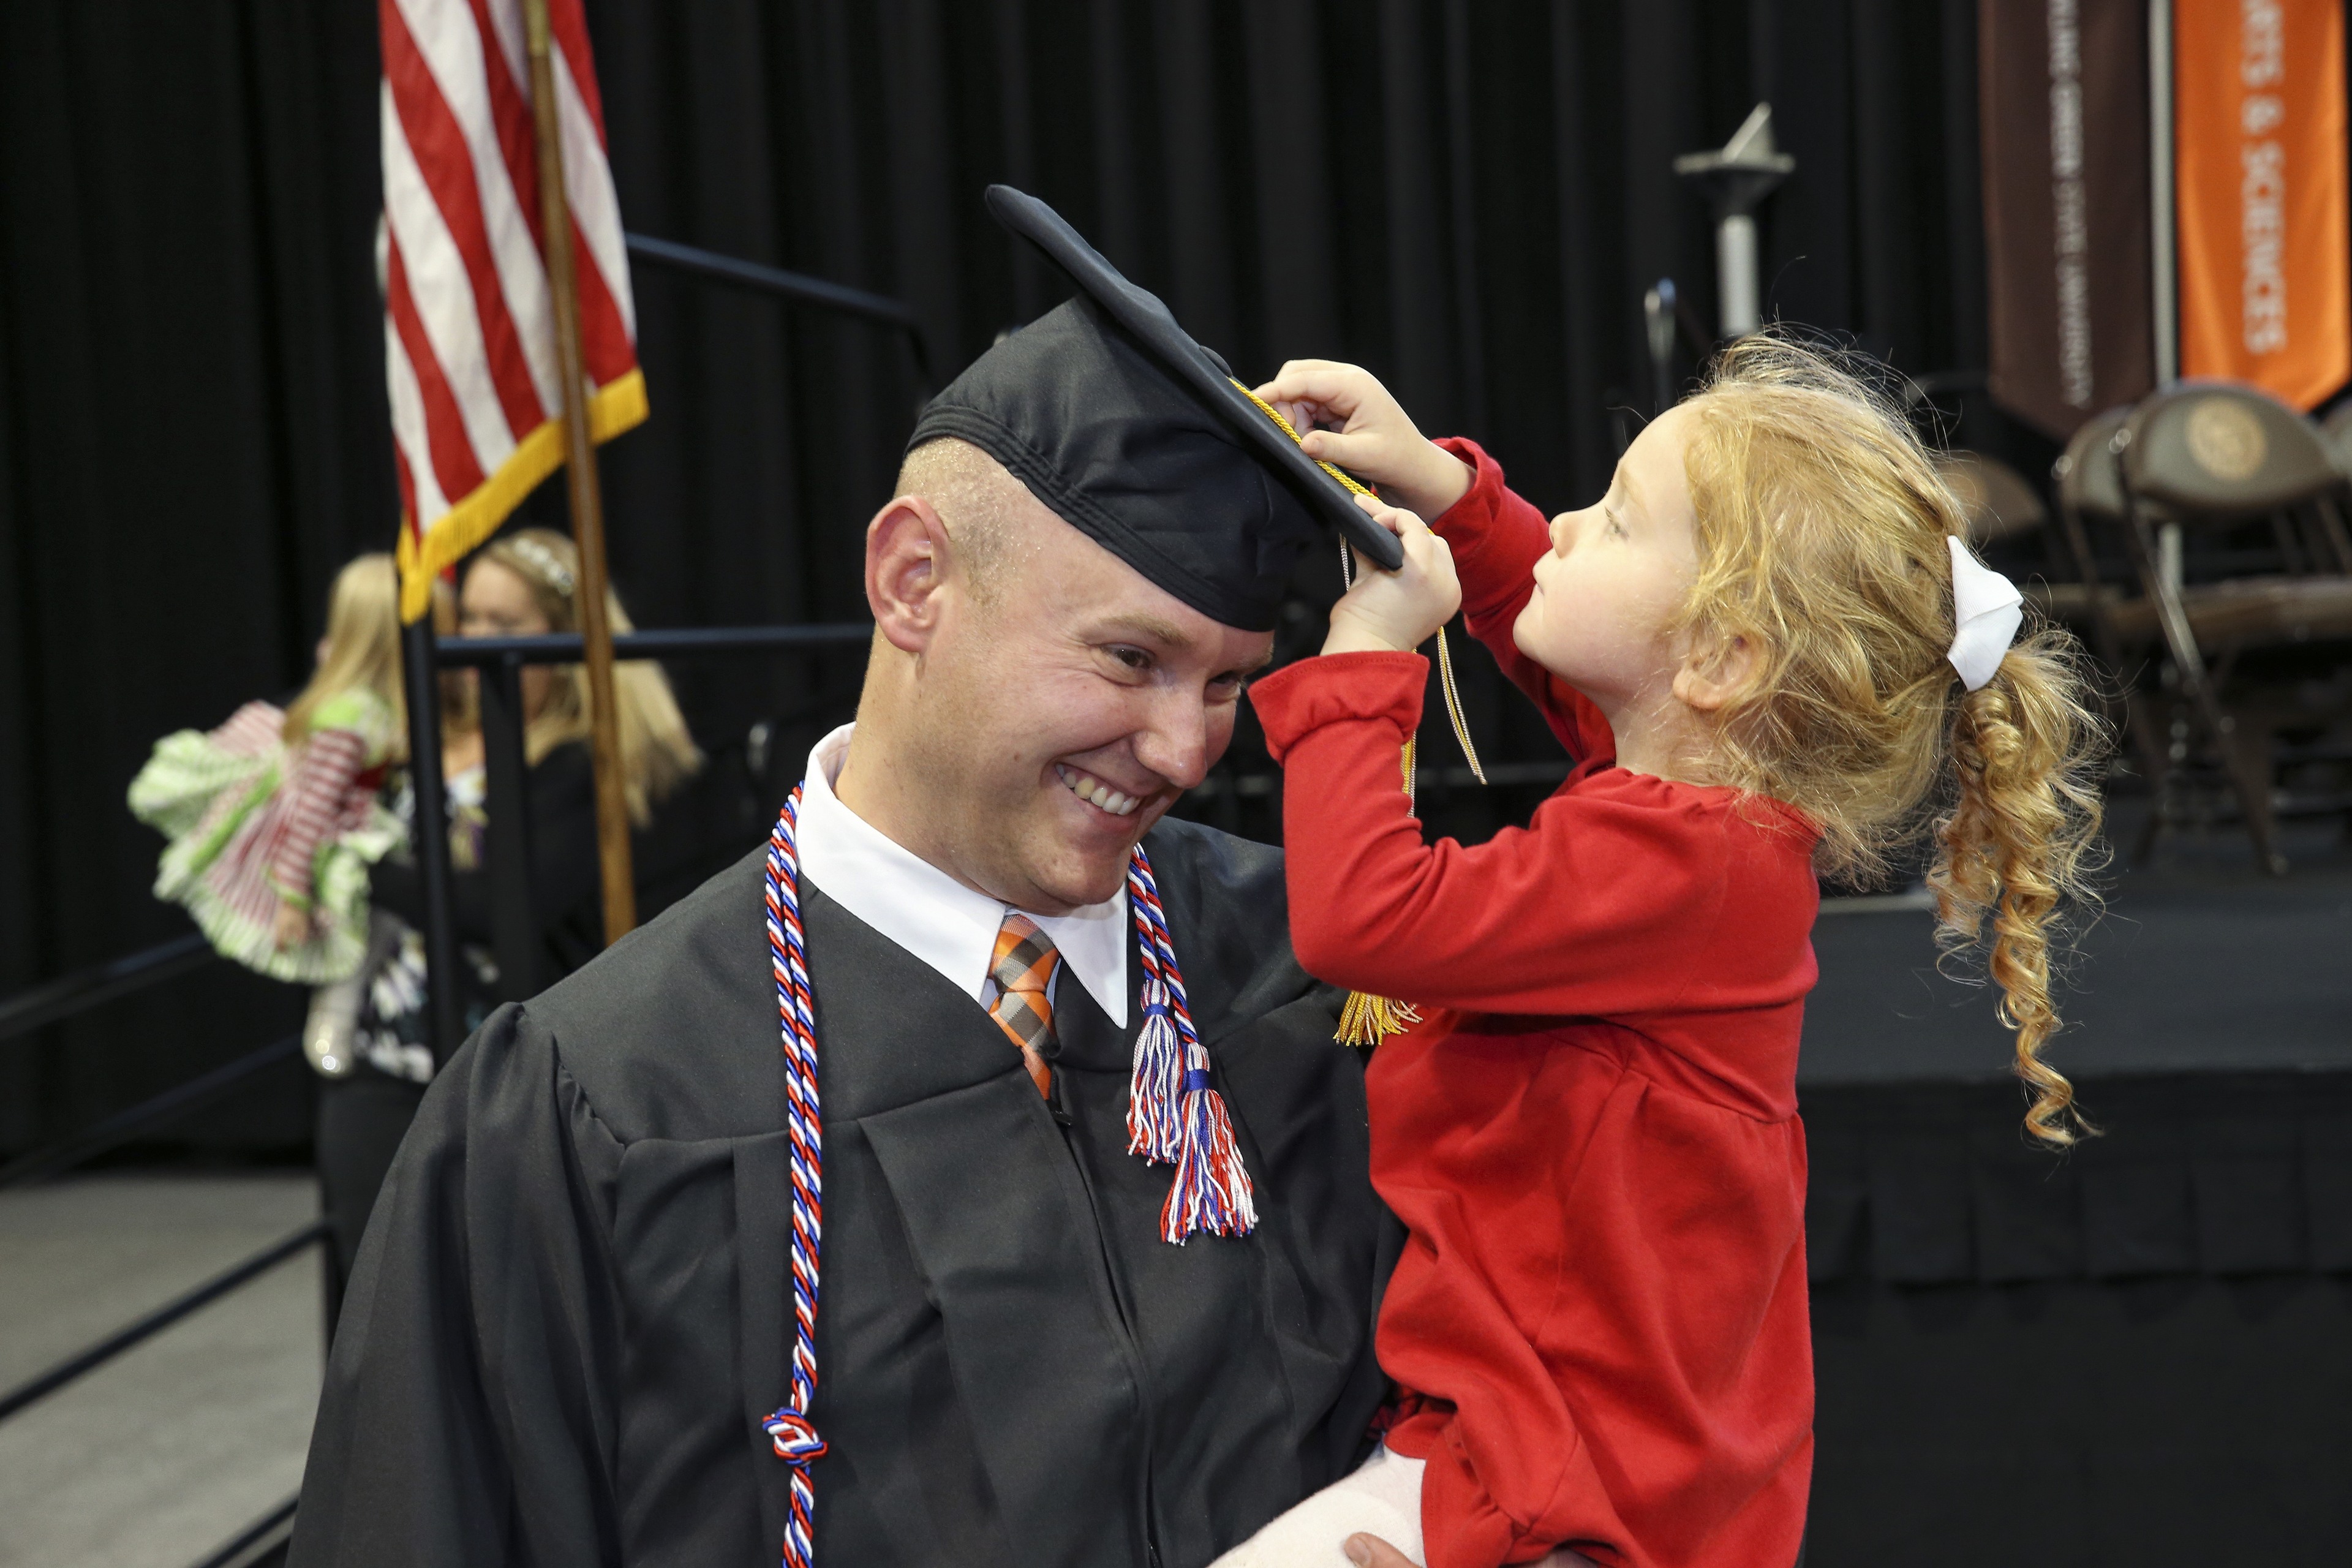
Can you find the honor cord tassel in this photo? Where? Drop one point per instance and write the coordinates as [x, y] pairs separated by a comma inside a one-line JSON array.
[[1151, 1128], [1180, 1117]]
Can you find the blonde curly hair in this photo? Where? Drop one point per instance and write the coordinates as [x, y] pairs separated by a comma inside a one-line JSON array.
[[1822, 523]]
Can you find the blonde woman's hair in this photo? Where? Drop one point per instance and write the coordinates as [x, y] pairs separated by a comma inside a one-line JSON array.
[[1822, 523], [363, 648], [657, 754]]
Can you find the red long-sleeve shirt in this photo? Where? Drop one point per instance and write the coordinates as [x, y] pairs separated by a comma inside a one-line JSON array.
[[1600, 1318]]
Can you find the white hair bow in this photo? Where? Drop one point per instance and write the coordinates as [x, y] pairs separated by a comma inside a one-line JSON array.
[[1987, 610]]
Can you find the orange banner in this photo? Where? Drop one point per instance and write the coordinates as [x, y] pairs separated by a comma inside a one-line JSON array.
[[2266, 228]]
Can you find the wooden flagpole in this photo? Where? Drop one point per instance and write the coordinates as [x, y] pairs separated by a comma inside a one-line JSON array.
[[587, 495]]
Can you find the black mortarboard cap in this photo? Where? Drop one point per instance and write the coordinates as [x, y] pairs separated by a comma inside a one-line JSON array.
[[1136, 435]]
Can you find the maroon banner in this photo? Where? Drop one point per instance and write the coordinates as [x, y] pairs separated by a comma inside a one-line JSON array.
[[2062, 102]]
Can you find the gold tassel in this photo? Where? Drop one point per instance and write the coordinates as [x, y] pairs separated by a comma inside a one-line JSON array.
[[1367, 1020]]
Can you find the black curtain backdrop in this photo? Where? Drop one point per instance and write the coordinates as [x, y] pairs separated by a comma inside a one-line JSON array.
[[1468, 198]]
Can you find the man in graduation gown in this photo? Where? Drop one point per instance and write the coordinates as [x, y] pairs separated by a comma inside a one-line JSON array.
[[572, 1316]]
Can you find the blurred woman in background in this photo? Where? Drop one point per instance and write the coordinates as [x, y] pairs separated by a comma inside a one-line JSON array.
[[523, 583]]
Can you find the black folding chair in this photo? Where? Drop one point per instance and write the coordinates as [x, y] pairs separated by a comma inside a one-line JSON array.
[[2207, 457], [2090, 484]]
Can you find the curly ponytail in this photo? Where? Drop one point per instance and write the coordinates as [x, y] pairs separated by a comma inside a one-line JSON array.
[[1822, 529], [2022, 839]]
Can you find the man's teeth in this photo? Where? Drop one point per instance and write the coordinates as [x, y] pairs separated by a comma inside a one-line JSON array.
[[1095, 793]]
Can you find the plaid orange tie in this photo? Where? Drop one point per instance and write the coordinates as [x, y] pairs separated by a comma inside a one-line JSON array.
[[1024, 963]]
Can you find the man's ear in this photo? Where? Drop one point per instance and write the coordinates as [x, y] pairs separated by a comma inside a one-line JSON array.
[[905, 561], [1716, 671]]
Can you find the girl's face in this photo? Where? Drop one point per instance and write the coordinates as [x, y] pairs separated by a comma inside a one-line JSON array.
[[1617, 573], [496, 602]]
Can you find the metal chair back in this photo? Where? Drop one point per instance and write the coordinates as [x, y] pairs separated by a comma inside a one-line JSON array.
[[2000, 503], [2214, 452], [2089, 476], [2336, 431]]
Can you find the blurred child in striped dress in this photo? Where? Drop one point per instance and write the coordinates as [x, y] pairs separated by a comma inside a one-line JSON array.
[[274, 819]]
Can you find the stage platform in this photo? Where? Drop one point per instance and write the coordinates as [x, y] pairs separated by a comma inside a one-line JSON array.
[[2138, 1352], [2195, 969]]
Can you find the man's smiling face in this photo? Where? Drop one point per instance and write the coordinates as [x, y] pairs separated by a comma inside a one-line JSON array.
[[1059, 705]]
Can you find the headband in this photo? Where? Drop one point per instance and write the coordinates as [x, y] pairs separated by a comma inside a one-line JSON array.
[[543, 562], [1987, 610]]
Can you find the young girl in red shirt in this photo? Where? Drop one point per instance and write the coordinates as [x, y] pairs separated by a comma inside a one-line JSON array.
[[1749, 650]]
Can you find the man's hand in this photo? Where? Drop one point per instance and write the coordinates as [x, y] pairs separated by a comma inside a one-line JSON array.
[[1344, 415], [1397, 611], [293, 926]]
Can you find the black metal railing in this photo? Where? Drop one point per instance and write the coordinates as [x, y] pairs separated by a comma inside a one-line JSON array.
[[138, 1332], [103, 983], [124, 1126], [515, 935], [265, 1539], [795, 288], [514, 922]]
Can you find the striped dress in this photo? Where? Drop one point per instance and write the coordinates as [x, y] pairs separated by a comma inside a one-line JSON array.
[[255, 824]]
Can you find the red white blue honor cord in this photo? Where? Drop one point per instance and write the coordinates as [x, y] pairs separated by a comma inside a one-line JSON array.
[[796, 1441], [1175, 1116]]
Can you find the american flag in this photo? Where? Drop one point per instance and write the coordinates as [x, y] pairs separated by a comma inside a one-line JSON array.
[[469, 324]]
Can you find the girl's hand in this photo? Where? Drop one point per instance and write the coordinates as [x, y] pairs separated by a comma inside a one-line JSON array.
[[293, 926], [1345, 417], [1397, 611]]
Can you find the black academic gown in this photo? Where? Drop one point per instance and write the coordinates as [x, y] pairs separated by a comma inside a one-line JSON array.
[[570, 1314]]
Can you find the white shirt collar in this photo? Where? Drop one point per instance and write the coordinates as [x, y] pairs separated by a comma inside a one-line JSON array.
[[930, 913]]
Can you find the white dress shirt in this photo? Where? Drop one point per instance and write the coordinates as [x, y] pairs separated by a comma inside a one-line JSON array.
[[933, 916]]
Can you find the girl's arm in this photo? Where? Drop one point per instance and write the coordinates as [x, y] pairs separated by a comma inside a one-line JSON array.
[[1497, 537], [1583, 912]]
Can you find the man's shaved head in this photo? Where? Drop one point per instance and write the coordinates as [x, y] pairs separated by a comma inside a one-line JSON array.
[[1033, 703], [991, 516]]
